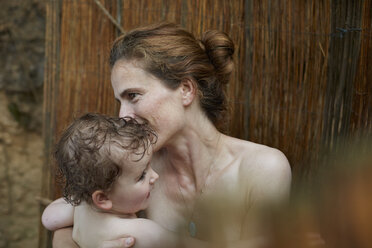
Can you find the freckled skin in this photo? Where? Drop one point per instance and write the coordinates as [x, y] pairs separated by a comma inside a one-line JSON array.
[[143, 96]]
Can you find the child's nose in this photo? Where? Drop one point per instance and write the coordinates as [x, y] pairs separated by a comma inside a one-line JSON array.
[[154, 177]]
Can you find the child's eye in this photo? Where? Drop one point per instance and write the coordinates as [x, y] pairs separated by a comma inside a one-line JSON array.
[[142, 176]]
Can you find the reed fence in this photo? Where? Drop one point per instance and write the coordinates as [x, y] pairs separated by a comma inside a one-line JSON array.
[[302, 80]]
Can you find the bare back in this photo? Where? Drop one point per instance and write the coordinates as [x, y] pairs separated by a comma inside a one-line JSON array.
[[93, 228]]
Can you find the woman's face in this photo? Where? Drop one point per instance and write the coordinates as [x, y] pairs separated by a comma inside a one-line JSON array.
[[145, 98]]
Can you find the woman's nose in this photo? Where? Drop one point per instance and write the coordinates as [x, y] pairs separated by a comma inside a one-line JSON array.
[[126, 110]]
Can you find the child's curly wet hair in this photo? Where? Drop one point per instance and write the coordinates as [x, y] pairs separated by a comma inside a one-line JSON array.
[[83, 153]]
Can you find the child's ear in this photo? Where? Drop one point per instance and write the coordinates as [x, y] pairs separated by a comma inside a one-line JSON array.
[[188, 91], [101, 200]]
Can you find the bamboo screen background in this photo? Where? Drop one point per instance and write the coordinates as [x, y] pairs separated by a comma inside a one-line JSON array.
[[302, 81]]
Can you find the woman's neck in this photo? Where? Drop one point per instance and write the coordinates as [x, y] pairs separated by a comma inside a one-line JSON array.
[[190, 155]]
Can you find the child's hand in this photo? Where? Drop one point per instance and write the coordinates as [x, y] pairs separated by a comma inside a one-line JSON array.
[[58, 214], [119, 243]]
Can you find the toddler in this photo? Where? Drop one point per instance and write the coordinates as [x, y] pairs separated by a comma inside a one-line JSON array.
[[105, 162]]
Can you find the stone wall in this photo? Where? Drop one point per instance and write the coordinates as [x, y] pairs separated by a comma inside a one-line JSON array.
[[22, 30], [20, 176]]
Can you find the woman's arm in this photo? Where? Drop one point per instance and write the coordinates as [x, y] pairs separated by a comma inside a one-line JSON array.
[[58, 214], [63, 239], [151, 235], [269, 186], [269, 179]]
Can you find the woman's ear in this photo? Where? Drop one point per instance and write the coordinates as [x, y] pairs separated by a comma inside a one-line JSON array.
[[188, 91], [101, 201]]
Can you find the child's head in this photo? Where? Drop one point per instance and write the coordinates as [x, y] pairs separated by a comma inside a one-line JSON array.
[[102, 158]]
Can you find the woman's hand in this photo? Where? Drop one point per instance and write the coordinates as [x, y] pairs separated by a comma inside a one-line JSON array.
[[119, 243], [63, 239]]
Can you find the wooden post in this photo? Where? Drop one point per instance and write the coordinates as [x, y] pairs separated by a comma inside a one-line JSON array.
[[77, 76], [51, 78]]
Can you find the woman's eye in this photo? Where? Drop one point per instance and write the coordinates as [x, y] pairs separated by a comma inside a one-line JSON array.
[[132, 95]]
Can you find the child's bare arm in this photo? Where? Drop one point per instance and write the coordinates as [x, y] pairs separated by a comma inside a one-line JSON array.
[[58, 214]]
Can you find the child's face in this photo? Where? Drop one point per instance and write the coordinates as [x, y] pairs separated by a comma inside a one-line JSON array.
[[131, 191]]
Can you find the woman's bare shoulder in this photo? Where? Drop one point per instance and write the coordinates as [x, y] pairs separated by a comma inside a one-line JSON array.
[[250, 150], [265, 168], [257, 156]]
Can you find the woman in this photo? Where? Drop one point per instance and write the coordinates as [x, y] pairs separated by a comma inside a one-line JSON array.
[[163, 76]]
